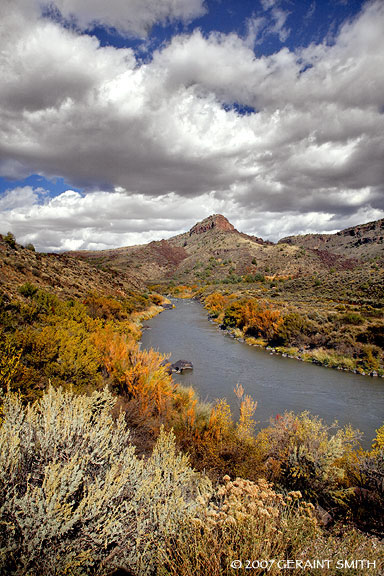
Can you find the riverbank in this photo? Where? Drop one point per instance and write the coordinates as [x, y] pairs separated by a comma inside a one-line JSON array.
[[154, 310], [275, 382], [318, 357], [323, 333]]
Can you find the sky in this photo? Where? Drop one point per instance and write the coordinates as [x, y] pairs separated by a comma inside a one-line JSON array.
[[127, 121]]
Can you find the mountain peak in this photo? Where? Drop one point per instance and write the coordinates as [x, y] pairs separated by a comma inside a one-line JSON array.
[[216, 221]]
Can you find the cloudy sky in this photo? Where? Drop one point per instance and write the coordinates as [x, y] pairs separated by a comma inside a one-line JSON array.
[[129, 120]]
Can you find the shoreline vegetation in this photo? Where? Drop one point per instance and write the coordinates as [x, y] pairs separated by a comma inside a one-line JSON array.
[[107, 463], [291, 332], [319, 357]]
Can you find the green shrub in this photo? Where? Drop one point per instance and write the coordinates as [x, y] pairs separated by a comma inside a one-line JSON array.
[[28, 289], [352, 318], [295, 329], [254, 278], [233, 314], [10, 239]]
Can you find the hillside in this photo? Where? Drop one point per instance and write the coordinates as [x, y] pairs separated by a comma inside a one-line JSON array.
[[61, 274], [213, 250], [365, 241]]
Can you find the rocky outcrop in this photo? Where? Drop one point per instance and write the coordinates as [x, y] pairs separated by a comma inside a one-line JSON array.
[[216, 221]]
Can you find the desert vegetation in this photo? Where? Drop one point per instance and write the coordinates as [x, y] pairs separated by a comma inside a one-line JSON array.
[[77, 499], [94, 436], [107, 464]]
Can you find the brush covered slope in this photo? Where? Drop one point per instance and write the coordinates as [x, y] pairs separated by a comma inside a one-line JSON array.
[[213, 250], [365, 241], [153, 261], [62, 274]]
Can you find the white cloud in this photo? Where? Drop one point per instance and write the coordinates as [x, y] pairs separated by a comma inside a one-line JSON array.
[[99, 220], [161, 133], [129, 17], [279, 28], [133, 17], [72, 221], [22, 198], [278, 18]]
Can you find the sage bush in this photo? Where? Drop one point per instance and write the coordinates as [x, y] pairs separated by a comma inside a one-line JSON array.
[[75, 498]]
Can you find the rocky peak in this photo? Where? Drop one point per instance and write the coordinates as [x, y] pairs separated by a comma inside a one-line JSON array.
[[216, 221]]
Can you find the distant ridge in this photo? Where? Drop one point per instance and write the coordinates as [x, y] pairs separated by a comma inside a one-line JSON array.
[[362, 241], [214, 251], [211, 251]]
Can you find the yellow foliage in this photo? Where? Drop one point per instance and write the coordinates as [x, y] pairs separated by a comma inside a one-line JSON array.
[[378, 443], [139, 374], [9, 363], [148, 382], [220, 422], [185, 402], [216, 302], [259, 319], [100, 306], [301, 450], [246, 425]]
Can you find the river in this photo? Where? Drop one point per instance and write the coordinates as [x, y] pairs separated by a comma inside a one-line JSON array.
[[278, 384]]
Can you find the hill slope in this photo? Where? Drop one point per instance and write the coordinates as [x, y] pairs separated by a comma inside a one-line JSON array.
[[60, 273], [213, 250], [363, 241]]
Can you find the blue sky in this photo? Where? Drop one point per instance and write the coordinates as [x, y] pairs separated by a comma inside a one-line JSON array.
[[306, 21], [127, 121]]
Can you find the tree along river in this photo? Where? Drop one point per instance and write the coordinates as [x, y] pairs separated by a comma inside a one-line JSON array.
[[278, 384]]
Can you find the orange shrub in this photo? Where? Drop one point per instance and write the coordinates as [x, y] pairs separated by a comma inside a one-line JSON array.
[[260, 320], [104, 307], [216, 303], [139, 374]]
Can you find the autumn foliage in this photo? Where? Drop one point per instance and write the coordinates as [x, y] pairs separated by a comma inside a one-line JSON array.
[[87, 346], [254, 317]]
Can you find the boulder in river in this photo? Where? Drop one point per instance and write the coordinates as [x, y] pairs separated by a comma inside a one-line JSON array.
[[181, 365], [178, 366]]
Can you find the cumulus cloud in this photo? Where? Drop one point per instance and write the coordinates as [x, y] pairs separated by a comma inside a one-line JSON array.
[[98, 220], [140, 138], [101, 220], [132, 17], [128, 17]]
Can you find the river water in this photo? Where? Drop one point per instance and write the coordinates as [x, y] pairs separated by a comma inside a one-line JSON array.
[[278, 384]]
